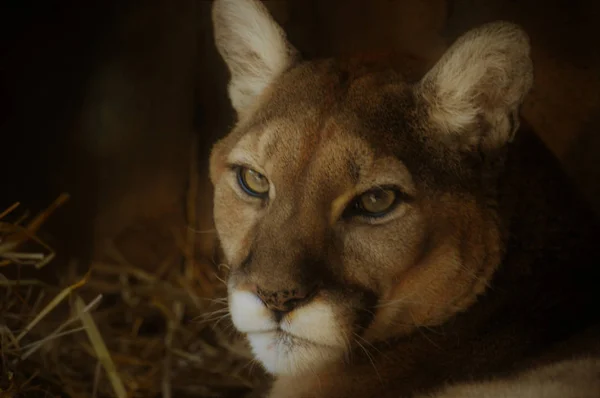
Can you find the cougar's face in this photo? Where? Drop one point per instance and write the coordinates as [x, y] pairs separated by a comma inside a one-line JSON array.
[[328, 233], [352, 200]]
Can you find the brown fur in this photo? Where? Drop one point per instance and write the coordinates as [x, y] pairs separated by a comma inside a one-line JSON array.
[[484, 267]]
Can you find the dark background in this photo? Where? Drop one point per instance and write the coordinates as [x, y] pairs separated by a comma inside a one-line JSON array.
[[101, 98]]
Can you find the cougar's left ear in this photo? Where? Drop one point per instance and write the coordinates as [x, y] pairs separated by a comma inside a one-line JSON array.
[[253, 46], [473, 94]]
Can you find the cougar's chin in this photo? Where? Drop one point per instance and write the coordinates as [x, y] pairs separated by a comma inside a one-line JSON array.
[[284, 354], [307, 338]]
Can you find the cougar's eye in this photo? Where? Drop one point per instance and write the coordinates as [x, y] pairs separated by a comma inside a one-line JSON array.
[[376, 202], [252, 182]]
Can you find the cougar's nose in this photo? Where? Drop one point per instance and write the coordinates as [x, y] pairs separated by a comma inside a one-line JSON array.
[[286, 300]]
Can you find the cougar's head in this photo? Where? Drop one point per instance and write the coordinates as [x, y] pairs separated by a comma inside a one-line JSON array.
[[354, 203]]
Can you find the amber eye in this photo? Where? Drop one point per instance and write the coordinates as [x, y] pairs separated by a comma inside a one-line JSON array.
[[377, 202], [252, 182]]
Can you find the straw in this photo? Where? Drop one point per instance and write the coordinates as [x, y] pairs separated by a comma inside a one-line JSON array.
[[100, 349], [121, 329]]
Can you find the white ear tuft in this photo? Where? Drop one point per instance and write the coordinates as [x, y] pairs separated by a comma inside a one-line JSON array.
[[479, 84], [253, 46]]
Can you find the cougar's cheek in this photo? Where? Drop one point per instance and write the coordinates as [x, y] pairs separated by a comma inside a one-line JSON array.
[[233, 238]]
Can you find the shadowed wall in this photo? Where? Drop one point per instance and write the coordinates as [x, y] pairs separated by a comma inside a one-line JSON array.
[[102, 100]]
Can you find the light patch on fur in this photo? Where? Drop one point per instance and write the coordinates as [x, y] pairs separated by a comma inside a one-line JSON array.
[[315, 322], [253, 46], [486, 73], [283, 354], [338, 206], [251, 149], [230, 247], [307, 338], [248, 312]]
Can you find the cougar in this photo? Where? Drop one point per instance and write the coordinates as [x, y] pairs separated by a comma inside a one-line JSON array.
[[394, 228]]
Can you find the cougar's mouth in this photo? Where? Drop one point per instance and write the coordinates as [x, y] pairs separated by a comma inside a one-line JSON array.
[[281, 336], [304, 339]]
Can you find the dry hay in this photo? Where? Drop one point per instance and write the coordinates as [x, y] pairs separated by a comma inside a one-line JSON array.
[[116, 331]]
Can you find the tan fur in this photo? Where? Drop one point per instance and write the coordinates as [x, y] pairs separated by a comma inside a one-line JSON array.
[[479, 79], [323, 132], [574, 378], [255, 36]]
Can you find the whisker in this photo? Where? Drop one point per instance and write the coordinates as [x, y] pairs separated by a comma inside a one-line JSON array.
[[250, 365], [209, 314], [220, 279], [224, 311], [369, 311], [429, 328], [370, 359], [477, 277], [213, 318], [220, 300], [371, 345], [224, 308], [223, 265], [420, 329], [220, 319], [229, 330], [347, 347]]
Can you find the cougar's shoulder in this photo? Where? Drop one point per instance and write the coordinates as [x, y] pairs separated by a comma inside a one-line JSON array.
[[395, 226]]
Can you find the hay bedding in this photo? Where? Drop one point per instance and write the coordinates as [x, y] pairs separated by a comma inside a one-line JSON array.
[[117, 331]]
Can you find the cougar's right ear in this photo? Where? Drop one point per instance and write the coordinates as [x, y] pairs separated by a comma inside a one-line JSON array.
[[253, 46]]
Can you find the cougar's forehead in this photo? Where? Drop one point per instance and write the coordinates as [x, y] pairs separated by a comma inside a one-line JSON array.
[[322, 125], [325, 156]]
